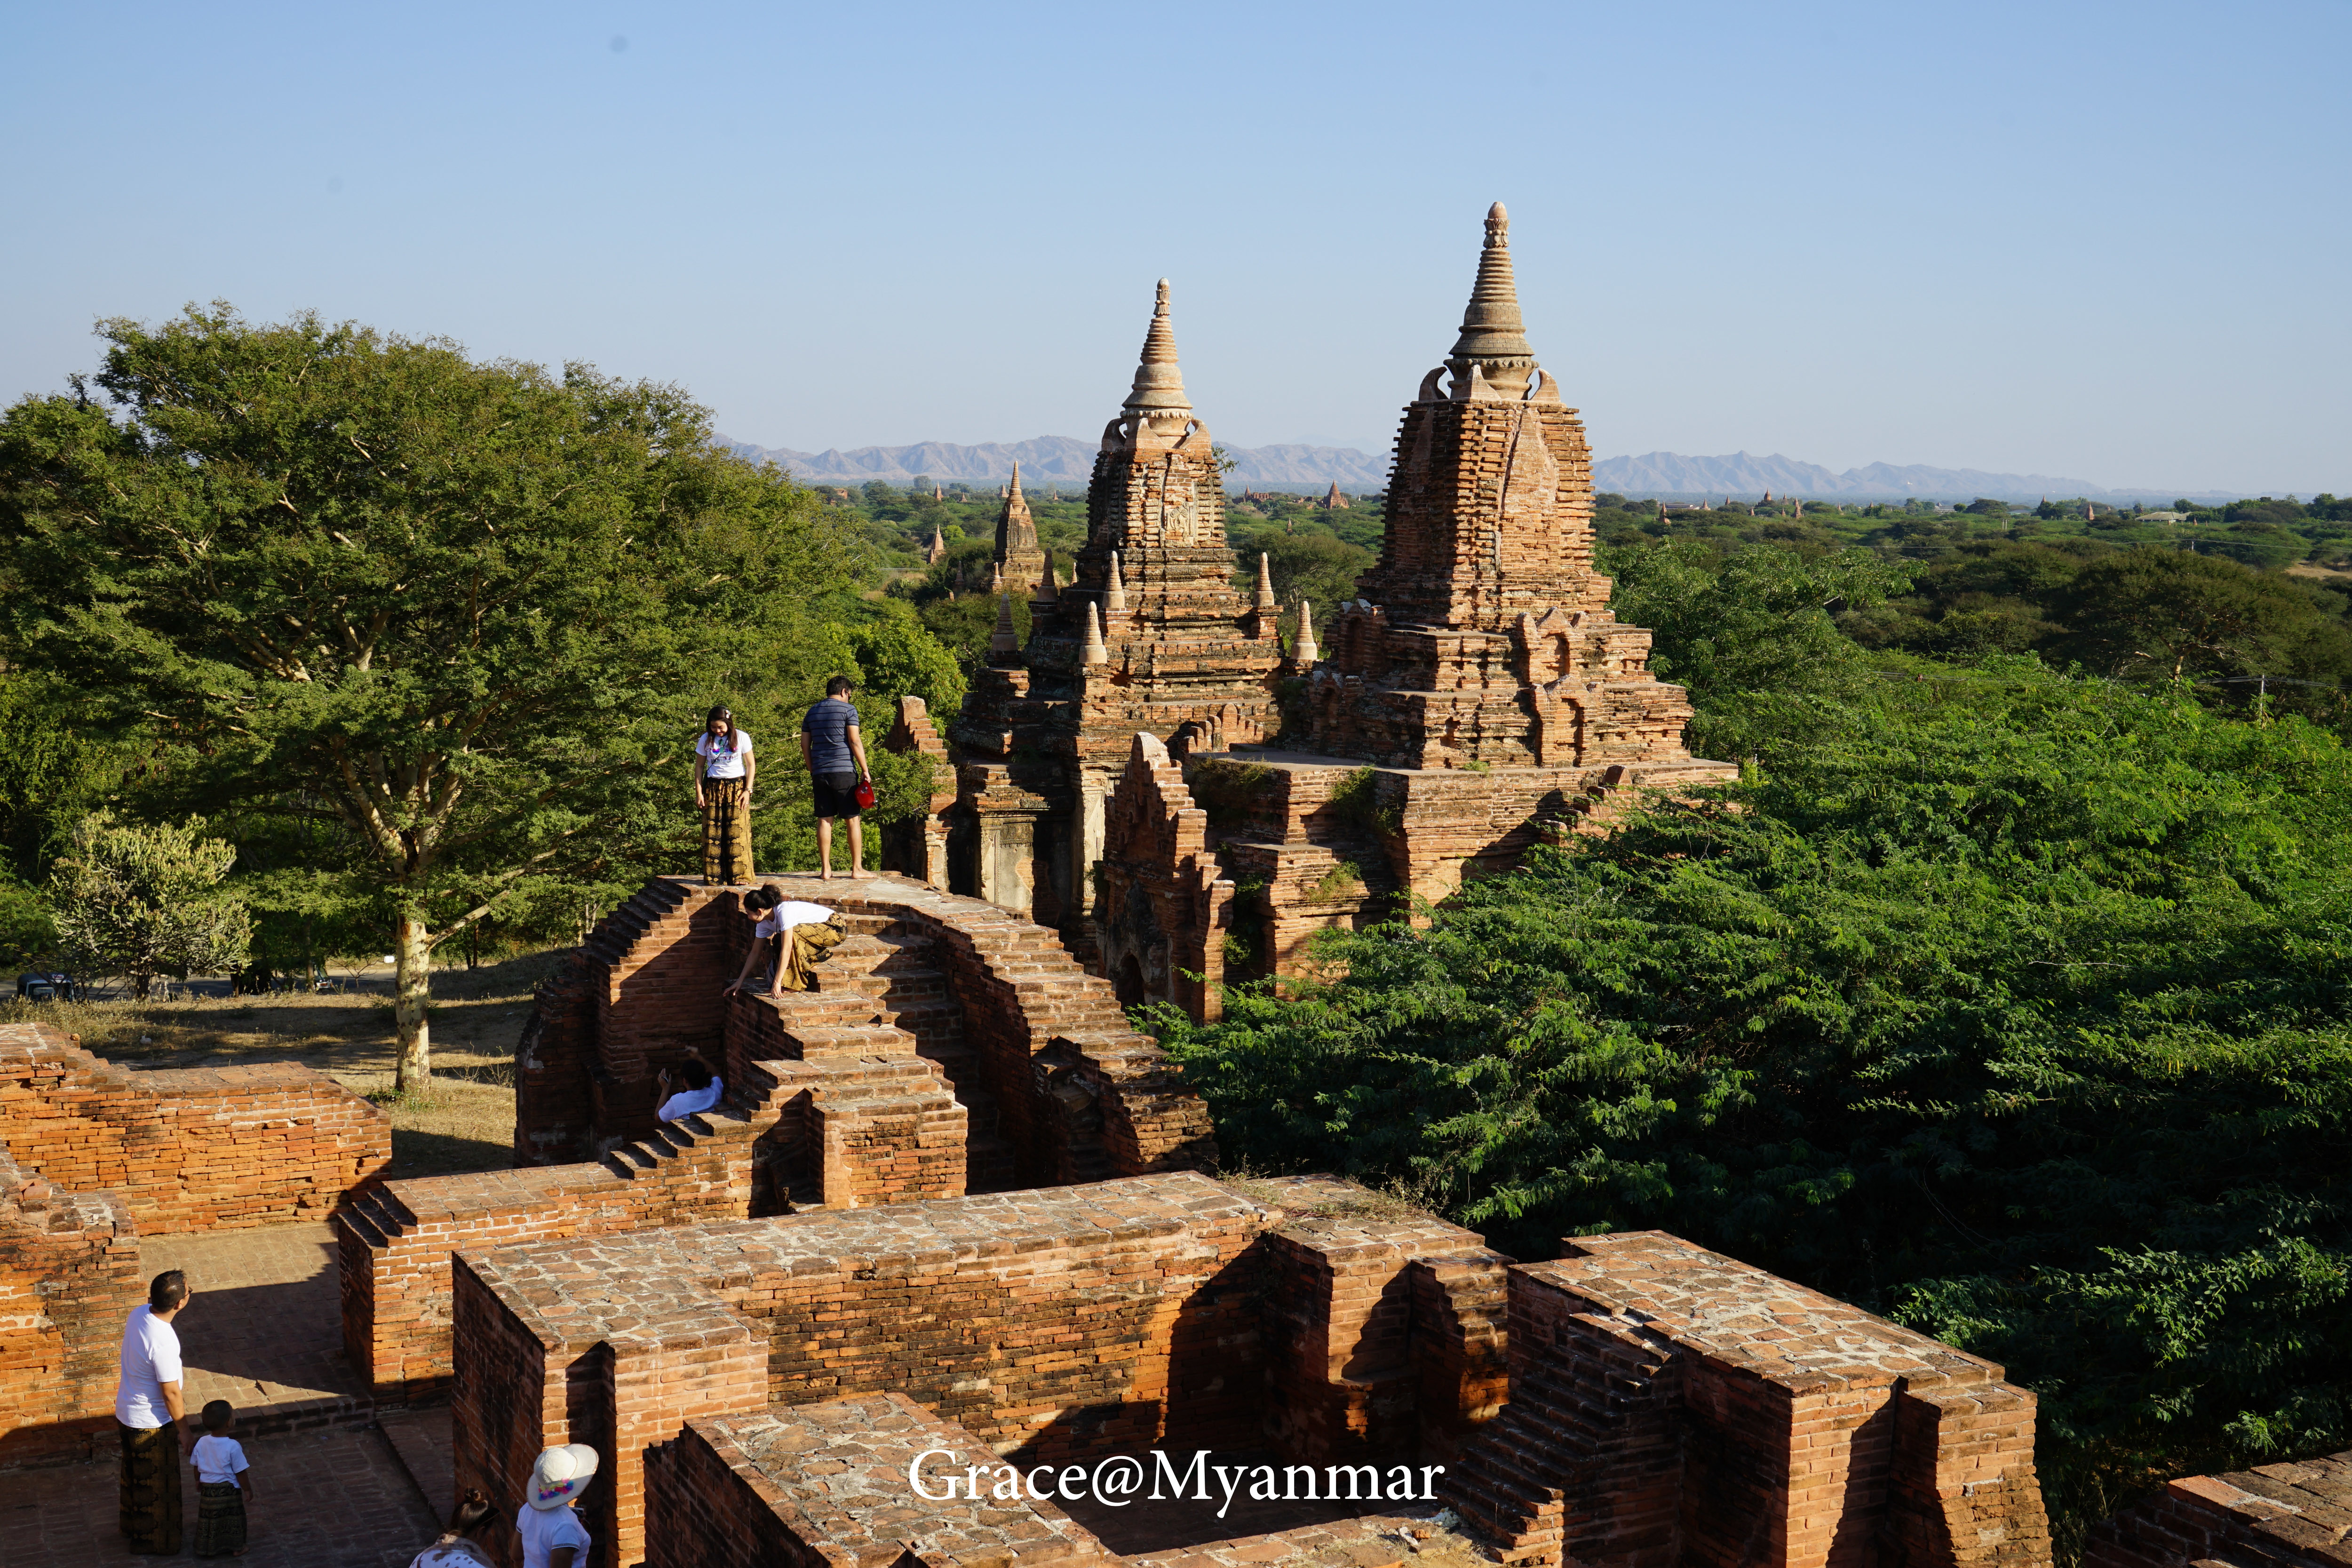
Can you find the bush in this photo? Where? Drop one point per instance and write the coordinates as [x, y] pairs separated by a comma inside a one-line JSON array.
[[2011, 1004]]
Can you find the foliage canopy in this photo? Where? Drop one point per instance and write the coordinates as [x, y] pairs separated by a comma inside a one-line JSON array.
[[2011, 1003]]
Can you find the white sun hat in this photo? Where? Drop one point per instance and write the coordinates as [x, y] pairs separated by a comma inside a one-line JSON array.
[[560, 1474]]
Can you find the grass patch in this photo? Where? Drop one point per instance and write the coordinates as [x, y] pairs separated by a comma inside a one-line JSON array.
[[1345, 880], [465, 1122]]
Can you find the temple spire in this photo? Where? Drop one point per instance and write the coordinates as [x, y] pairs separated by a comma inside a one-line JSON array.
[[1016, 531], [1493, 336], [1158, 385]]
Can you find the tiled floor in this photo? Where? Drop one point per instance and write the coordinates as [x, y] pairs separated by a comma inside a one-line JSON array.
[[324, 1499], [264, 1329], [264, 1332]]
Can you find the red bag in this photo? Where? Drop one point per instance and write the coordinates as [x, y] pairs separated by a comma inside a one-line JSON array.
[[864, 795]]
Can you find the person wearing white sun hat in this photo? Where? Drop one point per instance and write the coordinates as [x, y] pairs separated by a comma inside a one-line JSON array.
[[553, 1535]]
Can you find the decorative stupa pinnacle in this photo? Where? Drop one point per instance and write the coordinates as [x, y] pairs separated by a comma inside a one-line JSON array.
[[1303, 652], [1095, 652], [1264, 584], [1114, 599], [1004, 639], [1048, 590], [1016, 530], [1494, 334], [1158, 385]]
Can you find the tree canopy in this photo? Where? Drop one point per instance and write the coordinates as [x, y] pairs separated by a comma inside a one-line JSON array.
[[2010, 1003], [470, 612]]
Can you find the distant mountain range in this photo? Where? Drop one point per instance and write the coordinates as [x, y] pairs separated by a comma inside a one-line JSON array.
[[1743, 474], [1057, 461], [1063, 461]]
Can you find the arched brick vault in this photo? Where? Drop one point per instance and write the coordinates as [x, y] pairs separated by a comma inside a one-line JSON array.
[[948, 1048], [1166, 902]]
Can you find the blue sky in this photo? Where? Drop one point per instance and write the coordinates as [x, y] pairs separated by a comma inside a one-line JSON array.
[[2107, 241]]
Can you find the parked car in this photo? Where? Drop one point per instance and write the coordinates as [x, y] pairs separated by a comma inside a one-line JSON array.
[[52, 987]]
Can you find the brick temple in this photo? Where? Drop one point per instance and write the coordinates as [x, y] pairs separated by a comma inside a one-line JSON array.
[[954, 1210], [1154, 775]]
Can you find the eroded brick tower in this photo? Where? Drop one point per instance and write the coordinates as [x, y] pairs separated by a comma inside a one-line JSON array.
[[1151, 636], [1477, 698], [1483, 635]]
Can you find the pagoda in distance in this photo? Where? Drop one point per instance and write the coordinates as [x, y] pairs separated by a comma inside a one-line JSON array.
[[1188, 804]]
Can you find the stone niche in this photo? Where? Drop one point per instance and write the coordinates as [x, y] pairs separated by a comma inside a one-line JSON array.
[[756, 1387]]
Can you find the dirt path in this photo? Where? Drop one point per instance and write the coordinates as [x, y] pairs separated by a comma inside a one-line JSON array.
[[467, 1123]]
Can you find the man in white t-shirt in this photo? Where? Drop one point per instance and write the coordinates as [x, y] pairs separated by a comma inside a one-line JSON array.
[[147, 1411]]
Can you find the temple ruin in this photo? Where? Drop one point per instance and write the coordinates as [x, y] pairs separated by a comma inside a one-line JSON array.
[[1150, 637], [955, 1211], [1188, 802]]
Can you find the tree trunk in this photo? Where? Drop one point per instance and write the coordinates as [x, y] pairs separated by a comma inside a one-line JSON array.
[[412, 988]]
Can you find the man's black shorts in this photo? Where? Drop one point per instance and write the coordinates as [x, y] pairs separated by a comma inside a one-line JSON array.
[[836, 795]]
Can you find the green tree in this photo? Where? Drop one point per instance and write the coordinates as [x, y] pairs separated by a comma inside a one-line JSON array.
[[471, 610], [898, 655], [144, 901], [1758, 620], [2175, 615], [2012, 1005]]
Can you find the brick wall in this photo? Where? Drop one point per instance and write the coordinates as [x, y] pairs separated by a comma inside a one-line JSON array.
[[397, 1244], [1669, 1406], [1053, 1323], [2279, 1514], [985, 996], [188, 1149], [814, 1485], [1353, 1349], [70, 1276]]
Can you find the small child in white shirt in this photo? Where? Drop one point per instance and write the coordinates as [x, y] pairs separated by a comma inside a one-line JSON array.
[[224, 1484]]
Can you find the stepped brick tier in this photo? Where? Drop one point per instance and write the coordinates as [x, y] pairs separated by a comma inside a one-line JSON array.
[[1479, 697], [92, 1156], [1151, 636], [1055, 1084], [749, 1384], [2274, 1516], [1668, 1404], [946, 1048]]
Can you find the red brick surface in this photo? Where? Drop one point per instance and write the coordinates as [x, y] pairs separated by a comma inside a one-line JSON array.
[[1059, 1322], [70, 1275], [1669, 1406], [820, 1484], [188, 1148], [2298, 1514]]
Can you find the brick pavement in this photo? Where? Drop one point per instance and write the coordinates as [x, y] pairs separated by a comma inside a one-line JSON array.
[[265, 1330], [332, 1497]]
